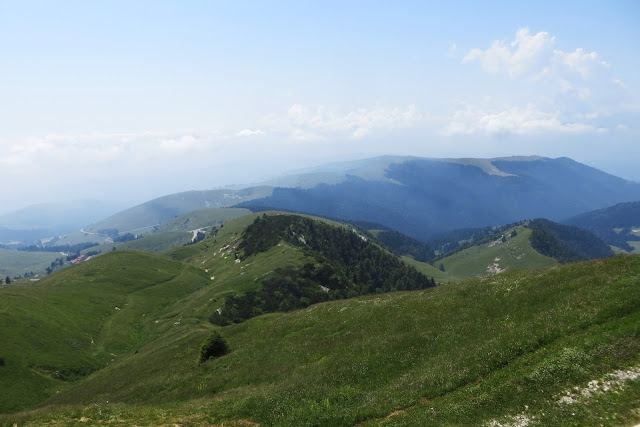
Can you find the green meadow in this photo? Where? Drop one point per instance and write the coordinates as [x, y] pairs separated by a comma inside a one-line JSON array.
[[116, 340]]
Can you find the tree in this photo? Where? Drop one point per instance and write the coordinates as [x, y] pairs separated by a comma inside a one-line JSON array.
[[213, 346], [441, 267], [7, 280]]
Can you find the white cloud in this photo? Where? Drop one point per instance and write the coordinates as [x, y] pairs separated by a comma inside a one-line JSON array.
[[249, 132], [511, 120], [568, 91], [533, 58], [305, 123], [527, 54], [183, 143]]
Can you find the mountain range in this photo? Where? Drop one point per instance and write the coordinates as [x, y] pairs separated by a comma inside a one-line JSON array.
[[419, 197]]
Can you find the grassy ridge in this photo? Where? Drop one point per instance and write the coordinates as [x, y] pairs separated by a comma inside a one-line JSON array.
[[515, 253], [465, 353]]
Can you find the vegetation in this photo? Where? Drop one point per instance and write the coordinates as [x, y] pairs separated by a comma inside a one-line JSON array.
[[154, 213], [452, 242], [201, 218], [116, 340], [80, 319], [422, 197], [400, 244], [213, 346], [16, 263], [614, 225], [126, 237], [346, 265], [494, 256], [498, 349], [566, 243]]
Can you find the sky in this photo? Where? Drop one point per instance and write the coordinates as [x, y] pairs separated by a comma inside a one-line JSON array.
[[124, 101]]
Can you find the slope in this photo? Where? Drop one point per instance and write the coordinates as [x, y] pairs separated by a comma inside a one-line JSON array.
[[556, 347], [617, 225], [495, 256], [17, 263], [566, 243], [145, 216], [80, 319]]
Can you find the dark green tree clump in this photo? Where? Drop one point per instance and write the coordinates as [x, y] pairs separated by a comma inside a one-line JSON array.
[[401, 244], [566, 243], [125, 237], [213, 346], [346, 265]]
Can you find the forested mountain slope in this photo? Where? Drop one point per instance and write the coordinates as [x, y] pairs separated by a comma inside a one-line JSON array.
[[422, 197]]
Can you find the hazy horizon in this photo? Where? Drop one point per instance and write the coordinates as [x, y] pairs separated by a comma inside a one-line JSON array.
[[127, 101]]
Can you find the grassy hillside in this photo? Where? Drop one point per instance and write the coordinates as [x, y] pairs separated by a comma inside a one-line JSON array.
[[82, 318], [152, 243], [553, 347], [144, 217], [201, 218], [496, 256], [16, 263]]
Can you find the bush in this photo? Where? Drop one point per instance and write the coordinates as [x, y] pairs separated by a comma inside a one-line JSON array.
[[213, 346]]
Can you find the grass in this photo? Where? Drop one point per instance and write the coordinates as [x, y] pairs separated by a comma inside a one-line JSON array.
[[431, 271], [78, 237], [202, 218], [78, 320], [495, 348], [152, 243], [515, 253], [16, 263]]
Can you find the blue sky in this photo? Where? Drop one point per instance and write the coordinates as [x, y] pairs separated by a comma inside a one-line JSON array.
[[135, 99]]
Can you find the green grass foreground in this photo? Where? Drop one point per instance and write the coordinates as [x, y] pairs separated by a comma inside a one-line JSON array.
[[510, 347]]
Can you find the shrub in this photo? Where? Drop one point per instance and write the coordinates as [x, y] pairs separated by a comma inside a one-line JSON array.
[[213, 346]]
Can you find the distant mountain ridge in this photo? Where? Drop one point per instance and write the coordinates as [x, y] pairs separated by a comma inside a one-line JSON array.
[[421, 197], [163, 209], [417, 196], [57, 217]]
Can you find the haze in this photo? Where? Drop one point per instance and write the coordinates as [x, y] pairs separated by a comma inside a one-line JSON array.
[[126, 101]]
